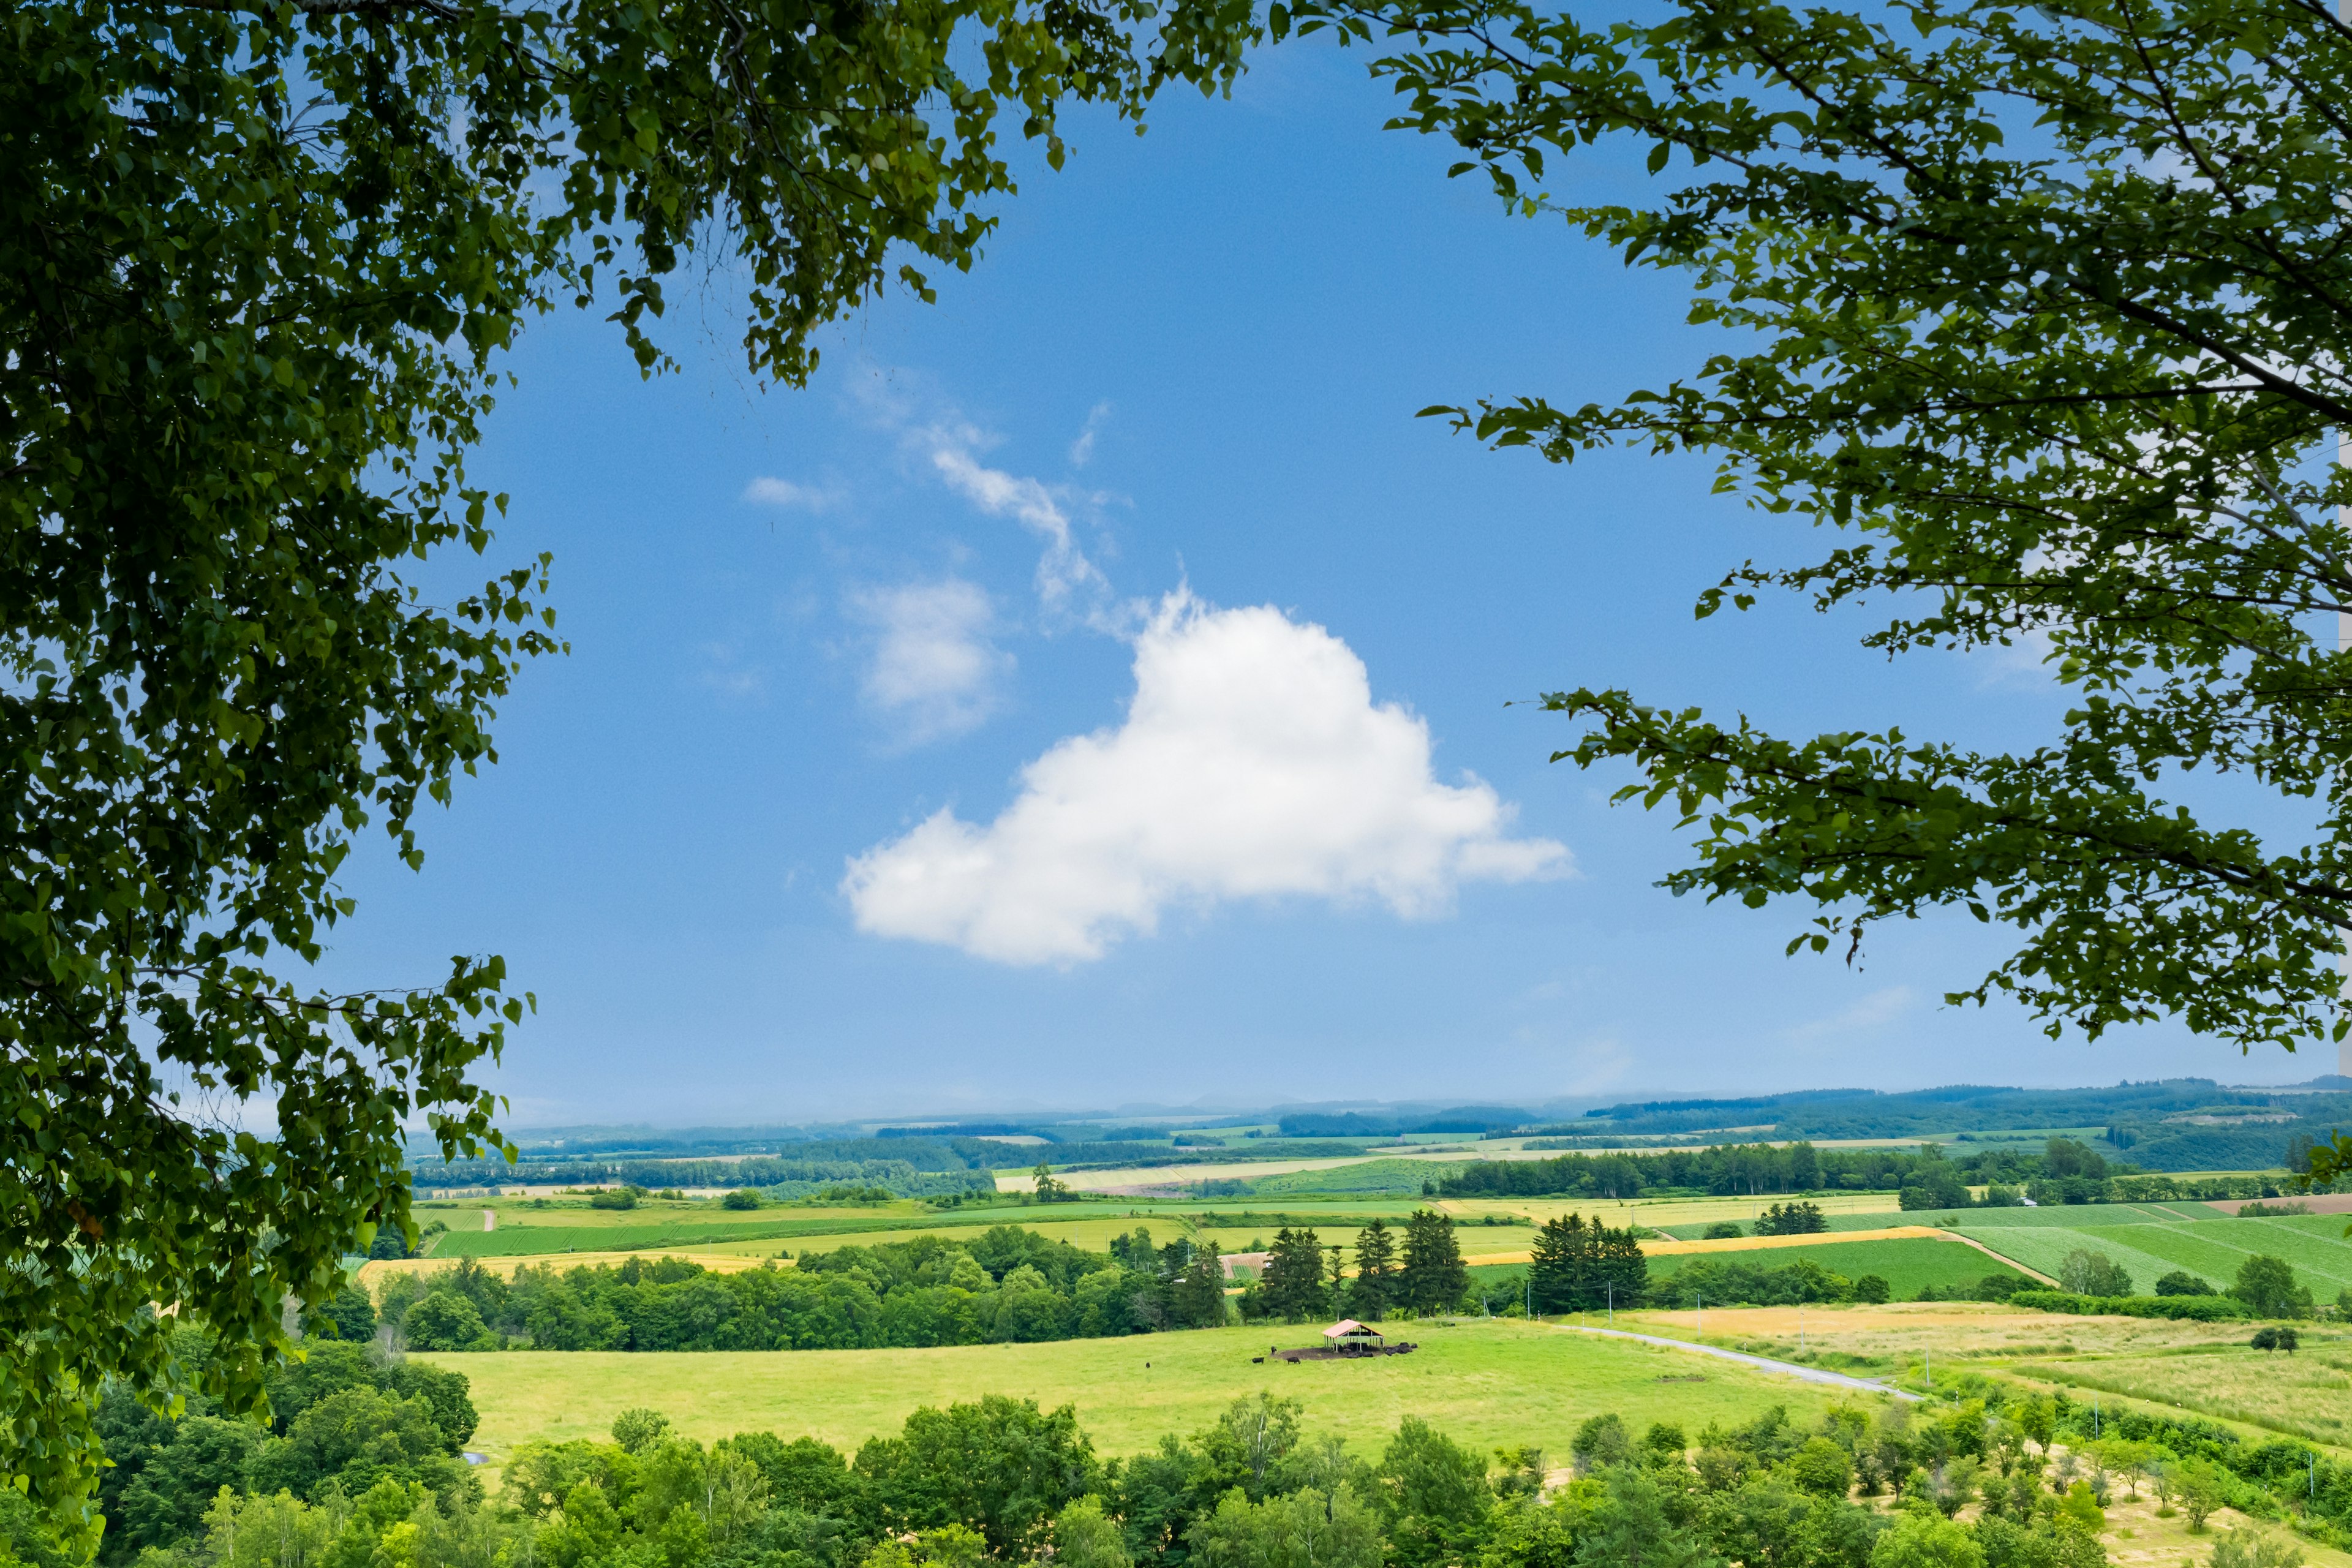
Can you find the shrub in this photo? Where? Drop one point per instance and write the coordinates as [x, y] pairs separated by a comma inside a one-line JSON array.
[[1872, 1289], [2181, 1282], [740, 1198], [2191, 1309], [1722, 1230], [2276, 1339], [612, 1198]]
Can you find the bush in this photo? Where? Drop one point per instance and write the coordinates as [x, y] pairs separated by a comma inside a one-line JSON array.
[[2181, 1282], [2190, 1308], [2277, 1339], [740, 1198], [1872, 1289], [612, 1198], [1722, 1230]]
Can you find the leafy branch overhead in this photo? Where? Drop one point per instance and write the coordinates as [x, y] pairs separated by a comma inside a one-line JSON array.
[[2042, 310], [256, 264]]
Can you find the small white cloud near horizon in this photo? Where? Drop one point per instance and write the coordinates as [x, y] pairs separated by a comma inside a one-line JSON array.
[[1253, 764], [935, 672], [769, 491]]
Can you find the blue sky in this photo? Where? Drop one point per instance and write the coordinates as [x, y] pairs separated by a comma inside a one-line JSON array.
[[1092, 689]]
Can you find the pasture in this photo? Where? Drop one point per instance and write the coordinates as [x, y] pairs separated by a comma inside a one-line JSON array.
[[1485, 1383], [1908, 1265]]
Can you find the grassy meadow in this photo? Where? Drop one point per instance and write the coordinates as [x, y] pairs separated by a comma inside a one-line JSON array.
[[1909, 1265], [2308, 1394], [1486, 1382]]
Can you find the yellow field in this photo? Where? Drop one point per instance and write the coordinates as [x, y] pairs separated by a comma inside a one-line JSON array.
[[373, 1273]]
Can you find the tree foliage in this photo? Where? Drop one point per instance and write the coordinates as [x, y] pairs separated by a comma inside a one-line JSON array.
[[2041, 311], [257, 264]]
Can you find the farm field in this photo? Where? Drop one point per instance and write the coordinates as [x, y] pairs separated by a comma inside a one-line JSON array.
[[1908, 1266], [2212, 1248], [1485, 1383], [2305, 1393]]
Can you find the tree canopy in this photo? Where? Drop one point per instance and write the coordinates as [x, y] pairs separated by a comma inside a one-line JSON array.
[[257, 265], [2041, 310]]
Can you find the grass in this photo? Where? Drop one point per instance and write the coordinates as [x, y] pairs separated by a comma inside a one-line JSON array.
[[1485, 1383], [2212, 1248], [1908, 1267], [2302, 1394]]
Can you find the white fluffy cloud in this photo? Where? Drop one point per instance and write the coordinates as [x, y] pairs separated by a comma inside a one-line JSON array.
[[934, 672], [1253, 764]]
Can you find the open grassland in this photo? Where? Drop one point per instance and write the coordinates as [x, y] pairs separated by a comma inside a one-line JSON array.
[[1485, 1383], [1909, 1265], [1895, 1341], [2308, 1394], [2174, 1368]]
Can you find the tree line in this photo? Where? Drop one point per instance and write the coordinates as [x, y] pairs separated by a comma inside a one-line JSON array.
[[1006, 1284], [1931, 1176], [1425, 1275]]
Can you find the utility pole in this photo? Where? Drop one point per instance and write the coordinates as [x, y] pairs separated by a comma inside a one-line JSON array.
[[1612, 1303]]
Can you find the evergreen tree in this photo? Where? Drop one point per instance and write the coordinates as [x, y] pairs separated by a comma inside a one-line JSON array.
[[1200, 1293], [1434, 1278], [1623, 1272], [1566, 1264], [1582, 1266], [1293, 1288], [1375, 1286]]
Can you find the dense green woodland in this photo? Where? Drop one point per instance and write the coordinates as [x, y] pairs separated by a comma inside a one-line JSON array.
[[1004, 1285], [2065, 1170], [353, 1473]]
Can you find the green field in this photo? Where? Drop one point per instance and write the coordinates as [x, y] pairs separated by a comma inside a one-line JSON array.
[[1485, 1383], [1908, 1266], [1878, 1217], [2212, 1248]]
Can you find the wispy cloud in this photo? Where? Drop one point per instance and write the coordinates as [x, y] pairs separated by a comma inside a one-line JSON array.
[[769, 491], [1068, 582], [936, 671], [1082, 450], [1873, 1011]]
